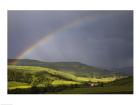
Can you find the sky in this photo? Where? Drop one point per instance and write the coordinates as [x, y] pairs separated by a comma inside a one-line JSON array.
[[97, 38]]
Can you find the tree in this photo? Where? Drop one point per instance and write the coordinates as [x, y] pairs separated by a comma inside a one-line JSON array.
[[34, 82], [41, 80]]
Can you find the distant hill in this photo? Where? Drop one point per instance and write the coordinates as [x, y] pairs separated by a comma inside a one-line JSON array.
[[123, 70], [73, 67]]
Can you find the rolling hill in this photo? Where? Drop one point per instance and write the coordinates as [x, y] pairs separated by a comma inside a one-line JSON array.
[[18, 73], [23, 78], [124, 70], [33, 76], [76, 68]]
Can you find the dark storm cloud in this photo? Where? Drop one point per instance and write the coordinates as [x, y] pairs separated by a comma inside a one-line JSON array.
[[26, 27], [106, 40]]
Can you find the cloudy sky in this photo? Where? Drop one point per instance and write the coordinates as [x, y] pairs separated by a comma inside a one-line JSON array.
[[98, 38]]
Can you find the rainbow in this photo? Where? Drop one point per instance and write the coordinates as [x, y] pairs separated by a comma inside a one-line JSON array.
[[48, 36]]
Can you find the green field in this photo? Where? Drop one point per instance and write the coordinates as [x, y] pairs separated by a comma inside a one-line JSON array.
[[36, 79], [33, 70], [120, 86], [99, 90], [14, 85]]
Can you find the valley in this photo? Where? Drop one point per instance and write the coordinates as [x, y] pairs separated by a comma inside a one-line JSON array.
[[32, 77]]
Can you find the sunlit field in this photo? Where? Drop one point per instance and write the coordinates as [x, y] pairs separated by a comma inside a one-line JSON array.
[[34, 79]]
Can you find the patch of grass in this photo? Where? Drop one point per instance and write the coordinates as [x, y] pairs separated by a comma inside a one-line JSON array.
[[98, 90], [104, 80], [121, 86], [63, 82], [124, 81], [15, 85]]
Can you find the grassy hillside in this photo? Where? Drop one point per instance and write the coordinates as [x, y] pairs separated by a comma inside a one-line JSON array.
[[124, 81], [121, 86], [24, 78], [31, 76], [29, 71], [14, 85], [76, 68]]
